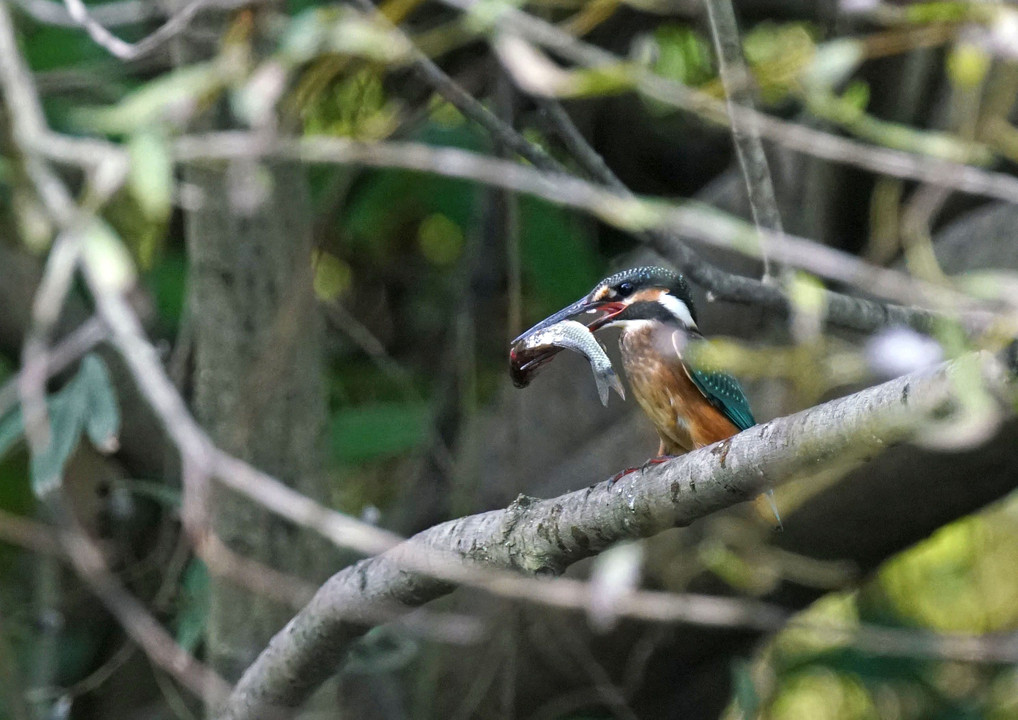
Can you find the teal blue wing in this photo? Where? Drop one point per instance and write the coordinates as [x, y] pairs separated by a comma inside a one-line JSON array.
[[725, 393]]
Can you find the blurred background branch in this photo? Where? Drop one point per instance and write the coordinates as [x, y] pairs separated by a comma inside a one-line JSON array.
[[414, 170]]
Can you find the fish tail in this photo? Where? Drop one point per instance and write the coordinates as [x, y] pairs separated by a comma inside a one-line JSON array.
[[616, 384], [602, 389]]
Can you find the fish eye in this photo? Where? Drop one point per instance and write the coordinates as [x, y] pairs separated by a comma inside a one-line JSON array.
[[625, 289]]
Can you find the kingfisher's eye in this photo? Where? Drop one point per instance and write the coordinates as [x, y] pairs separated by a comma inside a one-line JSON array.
[[625, 289]]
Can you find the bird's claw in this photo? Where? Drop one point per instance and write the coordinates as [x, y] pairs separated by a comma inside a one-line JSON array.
[[618, 476], [656, 461], [643, 468]]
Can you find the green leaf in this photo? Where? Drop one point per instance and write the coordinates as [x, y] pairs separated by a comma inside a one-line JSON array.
[[440, 239], [107, 258], [857, 95], [194, 605], [166, 279], [66, 418], [157, 103], [102, 416], [939, 11], [86, 404], [833, 63], [151, 175], [332, 276], [343, 31], [682, 54], [745, 691]]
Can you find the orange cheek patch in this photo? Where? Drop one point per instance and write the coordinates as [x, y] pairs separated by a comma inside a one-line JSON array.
[[648, 295]]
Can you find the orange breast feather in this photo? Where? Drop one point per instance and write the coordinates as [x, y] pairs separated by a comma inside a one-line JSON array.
[[684, 418]]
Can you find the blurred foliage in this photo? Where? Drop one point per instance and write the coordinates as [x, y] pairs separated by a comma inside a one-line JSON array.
[[378, 430], [418, 263], [355, 104], [166, 279], [193, 606], [85, 406], [960, 580]]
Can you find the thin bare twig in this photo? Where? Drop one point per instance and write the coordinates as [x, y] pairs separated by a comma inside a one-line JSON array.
[[588, 158], [58, 358], [691, 220], [158, 644], [110, 14], [46, 306], [800, 138], [28, 533], [177, 23], [748, 149], [500, 131], [91, 682]]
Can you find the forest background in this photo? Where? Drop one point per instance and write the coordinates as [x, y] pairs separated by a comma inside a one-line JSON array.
[[260, 264]]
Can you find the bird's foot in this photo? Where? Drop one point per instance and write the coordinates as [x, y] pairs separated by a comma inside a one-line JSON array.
[[618, 476], [653, 461], [656, 461]]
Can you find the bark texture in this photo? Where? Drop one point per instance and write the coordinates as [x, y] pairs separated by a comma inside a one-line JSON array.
[[258, 385]]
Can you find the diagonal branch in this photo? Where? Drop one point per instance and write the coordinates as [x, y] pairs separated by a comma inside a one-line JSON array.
[[842, 310], [135, 618], [109, 161], [429, 71], [117, 13], [122, 50], [629, 212], [546, 536], [794, 136]]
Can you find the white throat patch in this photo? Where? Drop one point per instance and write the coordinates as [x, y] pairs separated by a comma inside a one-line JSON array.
[[677, 308], [629, 326]]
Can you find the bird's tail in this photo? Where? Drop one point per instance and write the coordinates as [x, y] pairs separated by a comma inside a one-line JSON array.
[[772, 508]]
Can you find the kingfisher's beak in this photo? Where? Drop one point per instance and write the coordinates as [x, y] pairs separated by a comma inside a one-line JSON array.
[[582, 306]]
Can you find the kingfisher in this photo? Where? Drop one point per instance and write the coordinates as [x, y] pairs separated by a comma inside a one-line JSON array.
[[689, 407]]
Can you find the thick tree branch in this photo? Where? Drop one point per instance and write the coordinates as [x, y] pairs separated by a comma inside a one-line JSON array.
[[546, 536]]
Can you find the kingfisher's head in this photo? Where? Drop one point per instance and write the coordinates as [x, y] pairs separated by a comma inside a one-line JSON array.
[[632, 296]]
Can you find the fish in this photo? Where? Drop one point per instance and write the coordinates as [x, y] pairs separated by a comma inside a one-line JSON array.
[[534, 350]]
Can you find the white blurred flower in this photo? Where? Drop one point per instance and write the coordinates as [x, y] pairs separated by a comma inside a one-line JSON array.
[[615, 575], [900, 350], [858, 6]]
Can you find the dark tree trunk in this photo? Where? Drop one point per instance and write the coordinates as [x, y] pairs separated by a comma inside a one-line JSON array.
[[258, 385]]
